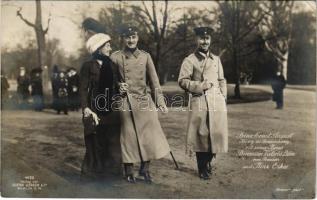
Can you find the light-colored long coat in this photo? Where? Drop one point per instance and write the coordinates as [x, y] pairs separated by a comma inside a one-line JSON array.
[[149, 141], [204, 124]]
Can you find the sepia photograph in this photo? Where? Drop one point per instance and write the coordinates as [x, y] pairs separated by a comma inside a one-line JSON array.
[[158, 99]]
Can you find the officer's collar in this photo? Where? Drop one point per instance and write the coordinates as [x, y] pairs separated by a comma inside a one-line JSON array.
[[128, 53], [201, 55]]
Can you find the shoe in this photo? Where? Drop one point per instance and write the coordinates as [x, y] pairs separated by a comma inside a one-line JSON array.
[[130, 179], [204, 175], [147, 177]]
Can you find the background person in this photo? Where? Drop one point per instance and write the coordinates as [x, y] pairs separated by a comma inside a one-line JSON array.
[[73, 89], [62, 93], [278, 85], [37, 89], [23, 82]]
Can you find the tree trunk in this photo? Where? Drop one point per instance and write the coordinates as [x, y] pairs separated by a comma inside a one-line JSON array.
[[40, 35], [41, 50]]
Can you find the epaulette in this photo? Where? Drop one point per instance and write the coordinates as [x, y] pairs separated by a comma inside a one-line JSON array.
[[212, 55], [143, 51], [190, 55]]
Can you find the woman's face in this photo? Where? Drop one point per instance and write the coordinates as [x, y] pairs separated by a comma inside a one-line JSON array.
[[106, 49]]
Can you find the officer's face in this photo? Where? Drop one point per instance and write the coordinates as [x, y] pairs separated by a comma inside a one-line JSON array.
[[131, 41], [106, 49], [203, 42]]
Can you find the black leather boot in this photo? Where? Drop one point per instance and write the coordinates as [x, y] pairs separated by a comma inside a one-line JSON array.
[[128, 169], [145, 172]]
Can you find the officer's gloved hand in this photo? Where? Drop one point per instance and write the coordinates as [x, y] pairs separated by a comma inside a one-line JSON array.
[[164, 109], [123, 88], [88, 112], [206, 84]]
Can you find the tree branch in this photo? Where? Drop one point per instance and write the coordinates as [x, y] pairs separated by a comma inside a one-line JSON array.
[[165, 16], [278, 55], [155, 24], [48, 24], [142, 18], [255, 24], [249, 53], [146, 11], [23, 19]]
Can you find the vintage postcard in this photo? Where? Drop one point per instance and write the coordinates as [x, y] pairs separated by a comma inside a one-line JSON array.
[[158, 99]]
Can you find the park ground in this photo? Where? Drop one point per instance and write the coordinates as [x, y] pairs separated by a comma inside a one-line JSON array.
[[49, 148]]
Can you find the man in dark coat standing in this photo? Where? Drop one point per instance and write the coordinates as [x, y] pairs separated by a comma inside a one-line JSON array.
[[4, 89], [73, 91], [54, 78], [23, 82], [278, 85], [37, 89], [62, 93]]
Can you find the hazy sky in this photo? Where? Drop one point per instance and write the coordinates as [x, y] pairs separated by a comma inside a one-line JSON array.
[[66, 19]]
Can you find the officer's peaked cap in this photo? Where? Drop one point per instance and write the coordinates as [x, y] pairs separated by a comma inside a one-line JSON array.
[[128, 30], [203, 30]]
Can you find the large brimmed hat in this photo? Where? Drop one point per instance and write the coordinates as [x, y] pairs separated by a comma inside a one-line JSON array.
[[96, 41], [93, 25]]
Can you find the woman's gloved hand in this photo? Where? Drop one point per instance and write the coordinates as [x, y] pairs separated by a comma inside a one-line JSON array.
[[88, 112], [206, 84]]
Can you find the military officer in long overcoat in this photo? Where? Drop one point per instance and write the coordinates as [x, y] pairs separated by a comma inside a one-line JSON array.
[[202, 76], [142, 138]]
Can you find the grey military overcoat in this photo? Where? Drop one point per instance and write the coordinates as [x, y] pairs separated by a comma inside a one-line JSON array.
[[207, 110], [148, 141]]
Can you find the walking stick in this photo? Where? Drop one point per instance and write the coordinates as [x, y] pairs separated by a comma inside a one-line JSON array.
[[137, 138], [174, 160]]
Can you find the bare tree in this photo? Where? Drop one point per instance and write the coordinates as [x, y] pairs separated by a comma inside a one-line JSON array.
[[39, 31], [238, 21], [276, 29], [150, 18]]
